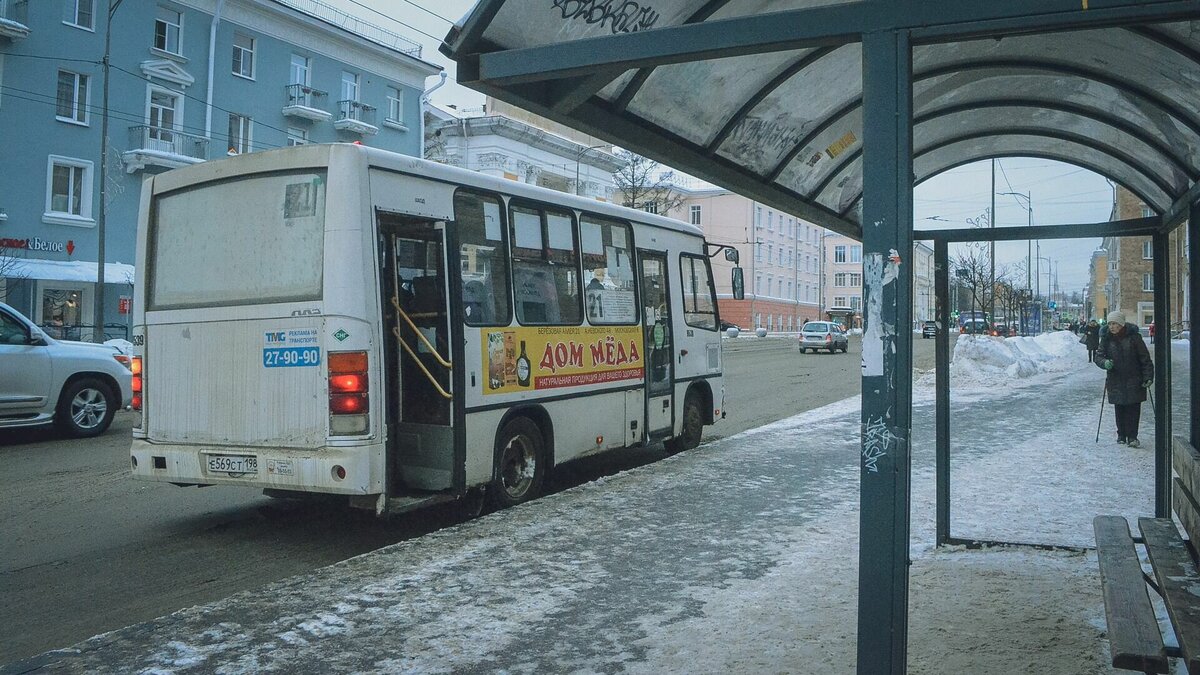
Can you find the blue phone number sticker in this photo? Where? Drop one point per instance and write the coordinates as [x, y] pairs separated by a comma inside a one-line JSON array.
[[285, 357]]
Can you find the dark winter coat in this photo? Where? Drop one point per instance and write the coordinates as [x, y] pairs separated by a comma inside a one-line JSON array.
[[1131, 365], [1093, 336]]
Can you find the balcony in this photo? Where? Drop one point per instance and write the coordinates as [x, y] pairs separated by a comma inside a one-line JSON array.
[[156, 146], [14, 19], [357, 118], [303, 101]]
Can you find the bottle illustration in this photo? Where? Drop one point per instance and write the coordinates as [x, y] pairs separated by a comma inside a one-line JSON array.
[[523, 367], [510, 358]]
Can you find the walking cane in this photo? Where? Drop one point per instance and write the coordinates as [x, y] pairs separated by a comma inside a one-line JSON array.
[[1102, 397]]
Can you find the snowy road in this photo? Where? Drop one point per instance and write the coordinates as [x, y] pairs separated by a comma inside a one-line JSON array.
[[739, 556]]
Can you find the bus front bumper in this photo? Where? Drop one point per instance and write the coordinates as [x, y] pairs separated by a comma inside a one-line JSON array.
[[330, 469]]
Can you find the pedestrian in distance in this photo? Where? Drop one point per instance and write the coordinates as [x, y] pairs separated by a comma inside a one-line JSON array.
[[1151, 332], [1091, 334], [1123, 354]]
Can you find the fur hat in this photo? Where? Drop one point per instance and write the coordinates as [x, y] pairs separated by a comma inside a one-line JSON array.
[[1116, 316]]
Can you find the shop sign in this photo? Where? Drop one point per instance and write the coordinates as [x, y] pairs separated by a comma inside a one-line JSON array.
[[39, 244]]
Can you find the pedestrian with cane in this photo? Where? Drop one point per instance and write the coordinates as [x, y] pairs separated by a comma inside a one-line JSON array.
[[1123, 354]]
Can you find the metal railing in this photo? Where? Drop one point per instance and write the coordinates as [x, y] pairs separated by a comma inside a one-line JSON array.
[[85, 332], [354, 110], [355, 25], [146, 137], [302, 94]]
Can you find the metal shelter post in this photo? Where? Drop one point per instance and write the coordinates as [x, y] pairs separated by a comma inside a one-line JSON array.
[[1193, 300], [941, 289], [887, 351], [1162, 375]]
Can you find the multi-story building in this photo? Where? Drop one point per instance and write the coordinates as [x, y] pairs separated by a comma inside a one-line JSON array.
[[1097, 299], [844, 275], [190, 80], [1130, 283], [508, 142], [924, 301], [780, 256]]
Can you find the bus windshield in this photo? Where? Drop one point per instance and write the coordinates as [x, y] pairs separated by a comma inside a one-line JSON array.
[[250, 241]]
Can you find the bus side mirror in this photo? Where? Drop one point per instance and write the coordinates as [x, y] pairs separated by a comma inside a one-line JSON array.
[[739, 283], [731, 255]]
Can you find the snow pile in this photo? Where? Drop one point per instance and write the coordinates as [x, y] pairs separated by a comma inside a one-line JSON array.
[[985, 361]]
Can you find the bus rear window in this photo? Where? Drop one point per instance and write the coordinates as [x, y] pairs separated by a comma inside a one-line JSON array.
[[254, 240]]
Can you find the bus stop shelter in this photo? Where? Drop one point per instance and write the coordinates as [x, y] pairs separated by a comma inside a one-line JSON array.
[[834, 112]]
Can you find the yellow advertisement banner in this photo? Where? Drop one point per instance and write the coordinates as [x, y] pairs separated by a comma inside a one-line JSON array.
[[526, 358]]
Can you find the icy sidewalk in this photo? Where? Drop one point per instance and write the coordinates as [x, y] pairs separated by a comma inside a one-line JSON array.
[[740, 556]]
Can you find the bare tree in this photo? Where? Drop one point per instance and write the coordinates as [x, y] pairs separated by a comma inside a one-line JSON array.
[[10, 270], [644, 185], [973, 270]]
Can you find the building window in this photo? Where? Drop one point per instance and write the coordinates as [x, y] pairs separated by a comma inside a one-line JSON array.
[[839, 254], [161, 117], [69, 188], [81, 13], [855, 254], [239, 134], [349, 86], [780, 294], [770, 221], [1147, 212], [650, 207], [296, 136], [1147, 250], [770, 252], [71, 105], [839, 301], [856, 280], [1148, 282], [758, 217], [780, 255], [395, 100], [694, 214], [855, 303], [791, 292], [839, 279], [298, 72], [243, 56], [168, 27]]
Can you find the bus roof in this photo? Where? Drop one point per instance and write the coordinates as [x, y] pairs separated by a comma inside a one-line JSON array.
[[318, 154]]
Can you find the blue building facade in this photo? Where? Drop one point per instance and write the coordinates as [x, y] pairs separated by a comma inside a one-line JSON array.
[[283, 72]]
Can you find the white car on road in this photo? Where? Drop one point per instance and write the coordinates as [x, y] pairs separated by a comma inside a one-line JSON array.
[[78, 386]]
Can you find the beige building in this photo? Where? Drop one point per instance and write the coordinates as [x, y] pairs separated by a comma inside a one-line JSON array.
[[843, 288], [1130, 283], [1097, 280], [780, 256]]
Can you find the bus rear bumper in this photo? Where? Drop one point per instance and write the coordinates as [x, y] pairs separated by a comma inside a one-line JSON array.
[[302, 470]]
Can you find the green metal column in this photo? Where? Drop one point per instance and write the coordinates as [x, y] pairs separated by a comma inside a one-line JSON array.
[[1193, 300], [1162, 376], [886, 352], [941, 289]]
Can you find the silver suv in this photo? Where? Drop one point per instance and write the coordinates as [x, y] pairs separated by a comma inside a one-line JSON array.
[[76, 385]]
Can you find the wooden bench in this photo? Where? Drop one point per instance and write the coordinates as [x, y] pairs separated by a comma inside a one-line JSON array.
[[1135, 640]]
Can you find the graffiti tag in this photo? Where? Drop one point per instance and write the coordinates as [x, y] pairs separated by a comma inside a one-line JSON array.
[[621, 16]]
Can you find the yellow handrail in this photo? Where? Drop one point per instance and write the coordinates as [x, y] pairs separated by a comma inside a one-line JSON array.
[[428, 375], [420, 335]]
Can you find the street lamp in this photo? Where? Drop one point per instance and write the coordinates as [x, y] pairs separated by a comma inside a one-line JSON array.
[[578, 156]]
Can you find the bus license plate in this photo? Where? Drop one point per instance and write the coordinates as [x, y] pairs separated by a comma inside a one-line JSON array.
[[233, 464]]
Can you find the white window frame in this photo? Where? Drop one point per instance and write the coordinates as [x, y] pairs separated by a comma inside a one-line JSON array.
[[74, 20], [84, 217], [1147, 250], [296, 136], [244, 51], [165, 49], [244, 142], [1148, 282], [855, 253], [839, 301], [839, 280], [78, 107], [305, 68], [839, 253], [177, 118], [395, 107], [346, 83], [694, 214]]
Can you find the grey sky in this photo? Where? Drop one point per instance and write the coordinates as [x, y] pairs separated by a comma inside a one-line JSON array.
[[1061, 193]]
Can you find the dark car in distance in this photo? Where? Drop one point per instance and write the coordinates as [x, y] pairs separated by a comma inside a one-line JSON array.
[[929, 329]]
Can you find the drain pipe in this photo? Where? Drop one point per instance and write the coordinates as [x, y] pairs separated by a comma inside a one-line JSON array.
[[424, 100], [212, 58]]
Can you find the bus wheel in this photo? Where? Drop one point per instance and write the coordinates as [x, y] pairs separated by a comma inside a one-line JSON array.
[[693, 426], [520, 466]]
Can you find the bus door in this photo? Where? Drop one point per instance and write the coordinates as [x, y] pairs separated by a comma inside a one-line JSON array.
[[659, 346], [418, 363]]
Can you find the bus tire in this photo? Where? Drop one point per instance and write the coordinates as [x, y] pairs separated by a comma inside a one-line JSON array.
[[85, 408], [520, 468], [693, 426]]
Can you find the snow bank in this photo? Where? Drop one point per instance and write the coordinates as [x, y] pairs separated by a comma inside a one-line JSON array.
[[982, 361]]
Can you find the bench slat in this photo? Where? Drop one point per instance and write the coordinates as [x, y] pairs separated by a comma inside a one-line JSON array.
[[1179, 582], [1133, 633]]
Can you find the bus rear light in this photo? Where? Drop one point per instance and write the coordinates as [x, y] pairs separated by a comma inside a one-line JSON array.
[[339, 472], [137, 384], [349, 394]]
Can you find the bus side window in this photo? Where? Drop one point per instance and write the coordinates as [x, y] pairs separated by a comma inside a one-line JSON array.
[[610, 295], [484, 259], [546, 288]]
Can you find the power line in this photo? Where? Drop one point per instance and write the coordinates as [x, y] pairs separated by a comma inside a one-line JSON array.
[[394, 19], [429, 11]]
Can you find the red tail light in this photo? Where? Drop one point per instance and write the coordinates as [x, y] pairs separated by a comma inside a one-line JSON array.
[[135, 366], [349, 393]]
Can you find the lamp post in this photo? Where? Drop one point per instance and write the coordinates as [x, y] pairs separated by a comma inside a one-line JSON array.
[[101, 220], [578, 156]]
